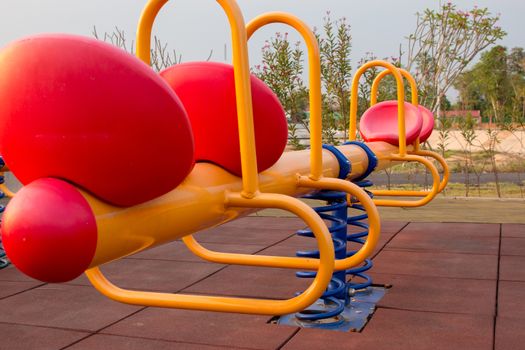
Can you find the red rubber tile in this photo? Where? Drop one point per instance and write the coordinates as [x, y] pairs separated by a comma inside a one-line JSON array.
[[511, 268], [12, 274], [404, 330], [449, 237], [270, 223], [197, 327], [153, 275], [252, 282], [436, 264], [177, 251], [113, 342], [513, 230], [463, 296], [9, 288], [62, 306], [19, 337], [513, 246], [258, 233], [509, 334], [510, 300]]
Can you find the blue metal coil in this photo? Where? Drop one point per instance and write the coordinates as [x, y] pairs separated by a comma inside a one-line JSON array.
[[360, 239], [335, 297]]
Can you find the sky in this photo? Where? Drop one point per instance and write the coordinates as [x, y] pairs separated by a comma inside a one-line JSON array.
[[197, 27]]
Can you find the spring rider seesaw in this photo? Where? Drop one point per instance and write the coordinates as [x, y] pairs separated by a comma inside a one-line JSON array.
[[84, 116]]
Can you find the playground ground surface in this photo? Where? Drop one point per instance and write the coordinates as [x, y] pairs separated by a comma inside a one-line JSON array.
[[454, 285]]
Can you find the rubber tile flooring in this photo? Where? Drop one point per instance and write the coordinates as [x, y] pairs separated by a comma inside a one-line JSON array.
[[451, 285]]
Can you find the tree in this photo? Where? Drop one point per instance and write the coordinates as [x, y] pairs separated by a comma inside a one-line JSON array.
[[336, 70], [282, 70], [443, 44]]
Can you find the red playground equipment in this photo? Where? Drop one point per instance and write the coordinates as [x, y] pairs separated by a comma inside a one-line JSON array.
[[82, 117]]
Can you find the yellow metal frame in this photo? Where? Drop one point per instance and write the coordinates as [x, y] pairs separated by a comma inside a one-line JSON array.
[[315, 180], [402, 155], [5, 189], [249, 197], [416, 145]]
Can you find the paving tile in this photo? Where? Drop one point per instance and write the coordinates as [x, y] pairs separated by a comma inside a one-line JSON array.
[[252, 282], [12, 274], [513, 246], [113, 342], [258, 235], [513, 230], [509, 334], [177, 251], [510, 300], [437, 264], [404, 330], [449, 237], [20, 337], [8, 288], [62, 306], [153, 275], [511, 268], [198, 327], [463, 296]]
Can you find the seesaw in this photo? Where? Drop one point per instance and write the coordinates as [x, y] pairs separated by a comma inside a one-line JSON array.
[[84, 116]]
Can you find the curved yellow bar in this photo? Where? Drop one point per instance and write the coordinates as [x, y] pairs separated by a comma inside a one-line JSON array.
[[241, 69], [400, 101], [314, 76], [405, 74], [413, 88], [241, 305], [315, 180], [300, 263]]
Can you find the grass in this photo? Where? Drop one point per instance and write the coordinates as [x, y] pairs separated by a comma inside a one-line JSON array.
[[487, 190]]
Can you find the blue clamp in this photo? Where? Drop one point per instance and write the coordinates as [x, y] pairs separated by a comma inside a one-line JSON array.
[[344, 164], [372, 159]]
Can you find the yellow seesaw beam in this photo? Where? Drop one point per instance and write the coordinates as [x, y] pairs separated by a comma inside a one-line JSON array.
[[200, 201]]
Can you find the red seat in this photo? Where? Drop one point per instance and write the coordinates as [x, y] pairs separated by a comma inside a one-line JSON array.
[[87, 112], [207, 91], [379, 123], [428, 123]]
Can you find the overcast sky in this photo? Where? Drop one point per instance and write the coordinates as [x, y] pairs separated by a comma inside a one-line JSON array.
[[195, 27]]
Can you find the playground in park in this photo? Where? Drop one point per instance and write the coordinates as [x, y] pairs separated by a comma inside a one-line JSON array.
[[207, 234]]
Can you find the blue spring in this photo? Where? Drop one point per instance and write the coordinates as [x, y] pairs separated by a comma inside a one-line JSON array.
[[336, 296], [3, 258], [335, 212], [359, 238]]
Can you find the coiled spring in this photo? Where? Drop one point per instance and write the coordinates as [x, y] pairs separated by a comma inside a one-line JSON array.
[[336, 296], [359, 238]]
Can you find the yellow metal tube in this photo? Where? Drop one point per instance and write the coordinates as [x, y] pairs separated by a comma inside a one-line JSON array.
[[417, 150], [400, 101], [241, 305], [241, 69], [301, 263], [314, 76], [200, 201]]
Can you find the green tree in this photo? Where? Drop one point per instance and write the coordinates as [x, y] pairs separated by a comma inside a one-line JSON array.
[[336, 70], [444, 42], [282, 70]]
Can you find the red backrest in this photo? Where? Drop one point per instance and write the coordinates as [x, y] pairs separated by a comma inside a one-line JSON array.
[[85, 111], [207, 91], [380, 123], [428, 123]]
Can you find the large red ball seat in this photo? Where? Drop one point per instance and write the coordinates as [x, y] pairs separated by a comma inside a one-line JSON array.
[[87, 112], [207, 91], [380, 123]]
